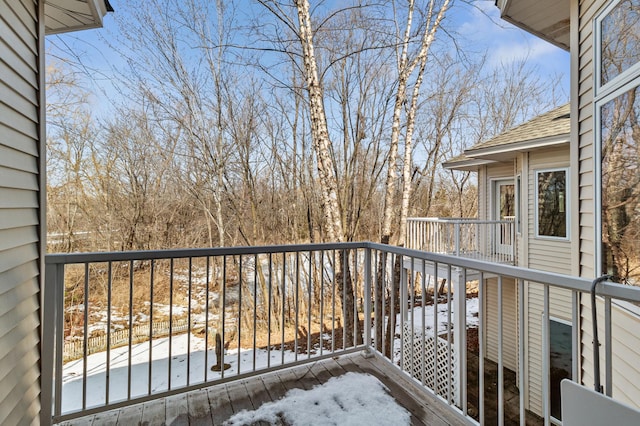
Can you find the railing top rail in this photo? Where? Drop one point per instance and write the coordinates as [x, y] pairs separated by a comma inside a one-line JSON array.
[[609, 289], [617, 291], [70, 258], [458, 220]]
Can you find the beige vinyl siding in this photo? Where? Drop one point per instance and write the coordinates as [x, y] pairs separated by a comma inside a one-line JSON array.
[[19, 213], [547, 254], [586, 189], [509, 321], [560, 308], [625, 349], [625, 318], [534, 345], [586, 136], [486, 178]]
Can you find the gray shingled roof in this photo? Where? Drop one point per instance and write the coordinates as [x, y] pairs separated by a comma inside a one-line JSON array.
[[551, 125]]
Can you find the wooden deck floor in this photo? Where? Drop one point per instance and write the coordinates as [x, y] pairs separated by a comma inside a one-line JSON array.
[[214, 405]]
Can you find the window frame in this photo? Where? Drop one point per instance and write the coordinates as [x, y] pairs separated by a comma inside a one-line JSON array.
[[567, 198], [612, 85], [628, 80]]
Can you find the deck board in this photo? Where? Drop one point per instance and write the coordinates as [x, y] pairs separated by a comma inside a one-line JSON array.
[[131, 415], [177, 409], [220, 404], [153, 412], [108, 418], [213, 405], [199, 411]]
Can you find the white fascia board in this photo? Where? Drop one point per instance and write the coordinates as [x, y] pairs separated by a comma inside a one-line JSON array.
[[518, 146], [469, 165]]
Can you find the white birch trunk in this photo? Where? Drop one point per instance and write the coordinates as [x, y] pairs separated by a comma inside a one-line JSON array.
[[319, 130]]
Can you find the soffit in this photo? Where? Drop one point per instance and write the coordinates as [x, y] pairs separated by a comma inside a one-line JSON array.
[[62, 16], [547, 19]]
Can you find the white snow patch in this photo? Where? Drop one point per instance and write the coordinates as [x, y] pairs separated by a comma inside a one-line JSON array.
[[443, 321], [351, 399]]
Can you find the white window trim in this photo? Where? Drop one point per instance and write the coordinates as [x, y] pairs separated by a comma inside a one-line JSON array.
[[614, 83], [518, 194], [567, 199], [622, 83]]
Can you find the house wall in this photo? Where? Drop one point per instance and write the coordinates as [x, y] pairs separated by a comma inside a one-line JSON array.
[[552, 255], [486, 176], [625, 318], [19, 211], [509, 321]]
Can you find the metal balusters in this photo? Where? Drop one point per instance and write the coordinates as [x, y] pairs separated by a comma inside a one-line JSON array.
[[108, 363], [481, 349], [255, 309], [240, 283], [309, 295], [223, 311], [500, 360], [130, 329], [269, 308], [169, 358], [85, 335], [207, 283], [190, 284]]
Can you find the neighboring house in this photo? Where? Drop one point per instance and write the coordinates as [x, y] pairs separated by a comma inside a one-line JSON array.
[[23, 25], [524, 174], [572, 175], [603, 37]]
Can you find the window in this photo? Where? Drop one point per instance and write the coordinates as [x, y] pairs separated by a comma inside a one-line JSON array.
[[552, 214], [619, 41], [617, 106], [561, 354]]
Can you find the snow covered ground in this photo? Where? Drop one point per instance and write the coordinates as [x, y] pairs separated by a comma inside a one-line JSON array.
[[161, 369], [165, 368], [443, 321]]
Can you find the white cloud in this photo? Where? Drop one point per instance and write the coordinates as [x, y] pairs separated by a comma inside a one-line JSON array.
[[510, 51]]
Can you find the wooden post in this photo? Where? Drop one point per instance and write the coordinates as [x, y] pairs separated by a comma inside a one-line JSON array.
[[219, 349]]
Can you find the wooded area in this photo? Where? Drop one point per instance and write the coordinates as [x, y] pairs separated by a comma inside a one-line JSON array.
[[281, 123]]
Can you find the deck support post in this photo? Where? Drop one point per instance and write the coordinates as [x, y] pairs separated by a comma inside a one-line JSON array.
[[459, 336]]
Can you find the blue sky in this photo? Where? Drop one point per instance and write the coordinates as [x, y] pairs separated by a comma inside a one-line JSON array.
[[477, 29]]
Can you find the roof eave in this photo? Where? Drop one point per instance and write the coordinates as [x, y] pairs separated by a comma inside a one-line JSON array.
[[497, 153], [62, 16], [556, 31], [466, 165]]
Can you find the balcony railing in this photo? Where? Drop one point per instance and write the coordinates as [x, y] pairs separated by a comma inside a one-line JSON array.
[[268, 308], [490, 240]]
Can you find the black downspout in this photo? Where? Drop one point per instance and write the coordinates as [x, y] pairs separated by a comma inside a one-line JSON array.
[[596, 343]]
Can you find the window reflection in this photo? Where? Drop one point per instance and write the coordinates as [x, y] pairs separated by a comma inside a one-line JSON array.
[[620, 135], [552, 204], [620, 48]]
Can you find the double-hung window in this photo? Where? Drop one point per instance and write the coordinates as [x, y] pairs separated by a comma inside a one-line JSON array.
[[552, 212], [617, 110]]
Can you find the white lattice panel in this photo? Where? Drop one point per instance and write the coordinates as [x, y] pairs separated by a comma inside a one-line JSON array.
[[412, 362]]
